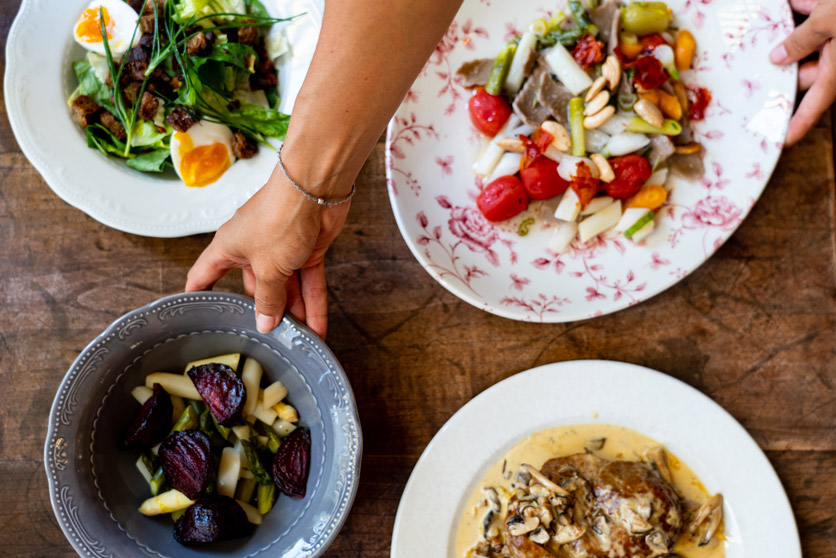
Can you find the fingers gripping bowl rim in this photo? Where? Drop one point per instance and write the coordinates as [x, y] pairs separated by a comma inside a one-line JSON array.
[[431, 145], [95, 488]]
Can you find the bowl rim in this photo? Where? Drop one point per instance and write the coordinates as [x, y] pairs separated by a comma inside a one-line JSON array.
[[56, 456]]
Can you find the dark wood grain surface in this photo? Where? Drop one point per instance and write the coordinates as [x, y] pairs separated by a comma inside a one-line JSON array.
[[754, 328]]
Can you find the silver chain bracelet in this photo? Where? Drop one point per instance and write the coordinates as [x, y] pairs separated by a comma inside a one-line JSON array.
[[320, 201]]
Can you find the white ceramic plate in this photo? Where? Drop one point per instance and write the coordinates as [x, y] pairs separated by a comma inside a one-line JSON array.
[[39, 79], [431, 146], [758, 517]]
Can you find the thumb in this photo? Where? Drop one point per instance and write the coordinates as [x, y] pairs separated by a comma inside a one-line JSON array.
[[806, 38], [270, 299]]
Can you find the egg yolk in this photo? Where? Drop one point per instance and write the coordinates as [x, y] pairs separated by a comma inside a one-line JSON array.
[[201, 165], [89, 27]]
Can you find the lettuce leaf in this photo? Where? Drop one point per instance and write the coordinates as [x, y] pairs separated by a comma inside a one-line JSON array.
[[89, 84], [154, 161]]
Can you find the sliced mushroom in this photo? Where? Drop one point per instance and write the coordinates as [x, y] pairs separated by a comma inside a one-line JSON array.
[[658, 543], [596, 444], [487, 523], [636, 524], [523, 477], [564, 534], [544, 480], [518, 526], [546, 515], [493, 498], [540, 536], [658, 461], [710, 513]]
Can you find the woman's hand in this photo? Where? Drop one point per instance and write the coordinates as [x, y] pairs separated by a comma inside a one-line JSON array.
[[819, 76], [279, 239]]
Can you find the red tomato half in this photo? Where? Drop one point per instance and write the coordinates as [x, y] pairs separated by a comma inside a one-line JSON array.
[[648, 73], [588, 51], [502, 199], [584, 184], [489, 113], [541, 181], [631, 172], [649, 42]]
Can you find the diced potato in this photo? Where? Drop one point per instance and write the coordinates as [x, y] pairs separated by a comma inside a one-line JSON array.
[[142, 394], [286, 412], [273, 393], [252, 514], [283, 428], [228, 471], [166, 502], [230, 360], [246, 474], [266, 416], [178, 406], [263, 440], [174, 384], [242, 432], [251, 376], [176, 514], [143, 469]]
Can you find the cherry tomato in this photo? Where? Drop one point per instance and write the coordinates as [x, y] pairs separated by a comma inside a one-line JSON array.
[[648, 73], [502, 199], [631, 172], [584, 184], [541, 181], [489, 113], [588, 51], [700, 98]]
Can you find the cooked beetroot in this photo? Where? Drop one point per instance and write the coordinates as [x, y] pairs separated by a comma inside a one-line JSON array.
[[292, 462], [221, 389], [152, 423], [211, 519], [186, 457]]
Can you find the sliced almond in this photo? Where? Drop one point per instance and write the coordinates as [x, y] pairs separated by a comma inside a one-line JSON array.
[[611, 71], [514, 145], [597, 120], [605, 172], [597, 104], [597, 86], [649, 113], [562, 141]]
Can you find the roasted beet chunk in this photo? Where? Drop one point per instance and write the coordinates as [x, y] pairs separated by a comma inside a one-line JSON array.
[[148, 106], [243, 147], [221, 389], [292, 463], [186, 458], [180, 119], [85, 110], [212, 519], [152, 423]]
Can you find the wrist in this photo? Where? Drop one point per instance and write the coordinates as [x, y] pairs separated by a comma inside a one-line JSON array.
[[319, 194], [323, 172]]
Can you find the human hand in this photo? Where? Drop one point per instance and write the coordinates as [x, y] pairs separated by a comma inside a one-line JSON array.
[[279, 239], [819, 76]]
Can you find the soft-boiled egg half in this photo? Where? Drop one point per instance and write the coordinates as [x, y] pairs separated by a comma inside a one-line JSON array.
[[119, 21], [203, 153]]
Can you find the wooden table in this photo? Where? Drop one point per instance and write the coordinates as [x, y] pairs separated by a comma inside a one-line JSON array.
[[754, 328]]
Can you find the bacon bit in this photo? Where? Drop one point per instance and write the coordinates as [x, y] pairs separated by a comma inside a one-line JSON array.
[[650, 42], [699, 100], [648, 73], [535, 146], [584, 184], [588, 51]]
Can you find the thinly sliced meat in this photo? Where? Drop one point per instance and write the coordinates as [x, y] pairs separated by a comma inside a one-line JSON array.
[[475, 73], [661, 149], [526, 104], [530, 62], [554, 96], [607, 17], [689, 167]]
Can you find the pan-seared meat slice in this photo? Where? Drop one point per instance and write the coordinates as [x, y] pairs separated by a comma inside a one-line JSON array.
[[689, 167], [554, 97], [475, 73], [607, 17], [85, 110], [111, 123], [661, 149], [243, 147], [148, 106], [526, 105], [180, 119]]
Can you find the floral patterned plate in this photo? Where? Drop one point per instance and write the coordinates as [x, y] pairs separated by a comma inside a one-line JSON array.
[[431, 146]]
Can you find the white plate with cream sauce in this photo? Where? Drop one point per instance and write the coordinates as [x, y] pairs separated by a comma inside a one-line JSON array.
[[757, 516]]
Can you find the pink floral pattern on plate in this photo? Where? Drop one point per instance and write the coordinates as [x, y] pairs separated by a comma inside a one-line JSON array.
[[430, 150]]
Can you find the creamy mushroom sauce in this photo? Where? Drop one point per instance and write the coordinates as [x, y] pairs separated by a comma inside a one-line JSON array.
[[621, 444]]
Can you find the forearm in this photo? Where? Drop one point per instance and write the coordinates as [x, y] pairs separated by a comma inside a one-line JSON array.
[[369, 53]]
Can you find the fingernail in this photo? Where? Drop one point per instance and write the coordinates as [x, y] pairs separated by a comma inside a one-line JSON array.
[[779, 54], [264, 323]]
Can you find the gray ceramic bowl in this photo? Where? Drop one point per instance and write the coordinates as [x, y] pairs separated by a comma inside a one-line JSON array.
[[95, 488]]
